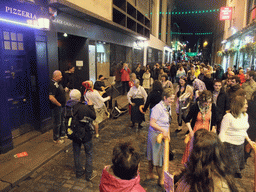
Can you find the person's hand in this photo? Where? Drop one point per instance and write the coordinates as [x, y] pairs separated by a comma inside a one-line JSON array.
[[133, 104], [166, 134], [109, 97], [66, 89], [89, 102]]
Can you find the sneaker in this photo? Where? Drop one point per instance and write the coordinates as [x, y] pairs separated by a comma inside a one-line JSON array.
[[59, 141], [93, 175]]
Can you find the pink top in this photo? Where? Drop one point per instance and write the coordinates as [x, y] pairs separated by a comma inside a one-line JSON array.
[[110, 183], [125, 74]]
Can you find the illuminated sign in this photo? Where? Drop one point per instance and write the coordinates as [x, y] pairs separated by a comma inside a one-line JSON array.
[[225, 13], [25, 14]]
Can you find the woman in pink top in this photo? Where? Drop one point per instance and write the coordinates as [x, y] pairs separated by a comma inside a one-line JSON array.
[[125, 77], [123, 175]]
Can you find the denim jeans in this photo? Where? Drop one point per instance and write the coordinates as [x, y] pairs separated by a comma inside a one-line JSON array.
[[88, 162], [58, 123]]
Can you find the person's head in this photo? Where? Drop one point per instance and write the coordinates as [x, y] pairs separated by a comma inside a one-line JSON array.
[[125, 161], [133, 76], [252, 75], [182, 81], [157, 65], [235, 80], [57, 76], [168, 96], [157, 86], [230, 74], [164, 77], [101, 77], [206, 159], [71, 69], [217, 85], [238, 105], [229, 69], [180, 67], [147, 70], [205, 98], [241, 71], [161, 70], [125, 65], [88, 85], [75, 95], [136, 83]]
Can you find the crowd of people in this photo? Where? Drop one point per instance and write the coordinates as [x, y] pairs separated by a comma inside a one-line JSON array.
[[213, 105]]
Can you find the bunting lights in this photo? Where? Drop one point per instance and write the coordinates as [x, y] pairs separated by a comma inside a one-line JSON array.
[[178, 33]]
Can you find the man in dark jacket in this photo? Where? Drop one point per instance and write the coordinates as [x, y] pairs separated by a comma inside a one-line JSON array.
[[82, 113], [220, 99], [234, 87]]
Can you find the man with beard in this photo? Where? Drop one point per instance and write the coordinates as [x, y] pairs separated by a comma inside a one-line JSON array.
[[234, 87]]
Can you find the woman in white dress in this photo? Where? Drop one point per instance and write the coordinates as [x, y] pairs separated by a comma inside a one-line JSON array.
[[146, 80]]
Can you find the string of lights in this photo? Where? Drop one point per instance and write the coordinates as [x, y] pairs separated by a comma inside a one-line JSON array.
[[179, 33]]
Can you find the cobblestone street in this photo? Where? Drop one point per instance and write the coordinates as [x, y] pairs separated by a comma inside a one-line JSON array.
[[58, 173]]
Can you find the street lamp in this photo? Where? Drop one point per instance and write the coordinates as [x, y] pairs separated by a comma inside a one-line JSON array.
[[205, 44]]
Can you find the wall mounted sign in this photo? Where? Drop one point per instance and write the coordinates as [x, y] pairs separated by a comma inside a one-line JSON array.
[[21, 13], [225, 13]]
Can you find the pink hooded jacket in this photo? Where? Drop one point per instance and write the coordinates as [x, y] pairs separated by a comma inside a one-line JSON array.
[[109, 183]]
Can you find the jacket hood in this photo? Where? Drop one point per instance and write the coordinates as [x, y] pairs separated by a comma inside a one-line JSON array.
[[71, 103], [109, 183]]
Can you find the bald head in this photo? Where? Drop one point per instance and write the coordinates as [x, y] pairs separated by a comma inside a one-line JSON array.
[[57, 76]]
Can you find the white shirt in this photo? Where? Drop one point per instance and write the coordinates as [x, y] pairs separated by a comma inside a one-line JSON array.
[[136, 93], [96, 99], [234, 130]]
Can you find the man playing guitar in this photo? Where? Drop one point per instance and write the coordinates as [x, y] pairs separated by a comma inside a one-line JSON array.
[[99, 85]]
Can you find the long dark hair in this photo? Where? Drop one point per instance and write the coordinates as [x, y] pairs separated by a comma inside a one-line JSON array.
[[207, 160], [157, 86]]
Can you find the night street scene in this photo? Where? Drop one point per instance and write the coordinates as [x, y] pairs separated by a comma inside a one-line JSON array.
[[128, 96]]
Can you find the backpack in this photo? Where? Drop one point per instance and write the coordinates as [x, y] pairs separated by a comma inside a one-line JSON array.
[[78, 131]]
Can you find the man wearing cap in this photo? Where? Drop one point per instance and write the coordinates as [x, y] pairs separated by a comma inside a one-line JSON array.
[[82, 113], [57, 102]]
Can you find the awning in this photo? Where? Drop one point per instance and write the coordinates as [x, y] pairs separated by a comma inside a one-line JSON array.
[[91, 17]]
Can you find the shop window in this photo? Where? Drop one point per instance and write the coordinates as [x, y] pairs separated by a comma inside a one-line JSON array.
[[13, 41]]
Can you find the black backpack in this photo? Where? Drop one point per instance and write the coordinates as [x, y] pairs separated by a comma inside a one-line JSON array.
[[78, 131]]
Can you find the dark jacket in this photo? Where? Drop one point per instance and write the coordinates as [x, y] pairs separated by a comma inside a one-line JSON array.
[[173, 71], [98, 85], [232, 92], [222, 105], [252, 119], [208, 83], [69, 80], [81, 111], [153, 98], [193, 112]]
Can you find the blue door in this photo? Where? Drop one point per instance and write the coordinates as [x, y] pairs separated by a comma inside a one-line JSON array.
[[16, 82]]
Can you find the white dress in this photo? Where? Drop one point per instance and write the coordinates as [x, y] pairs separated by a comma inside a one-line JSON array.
[[146, 81]]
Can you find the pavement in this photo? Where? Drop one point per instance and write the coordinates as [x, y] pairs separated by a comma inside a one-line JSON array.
[[51, 167], [40, 149]]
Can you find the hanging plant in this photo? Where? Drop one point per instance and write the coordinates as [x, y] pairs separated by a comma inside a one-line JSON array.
[[219, 54], [248, 48], [232, 51], [225, 52]]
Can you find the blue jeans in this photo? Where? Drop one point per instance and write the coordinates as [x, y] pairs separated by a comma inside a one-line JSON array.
[[58, 123], [88, 162]]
